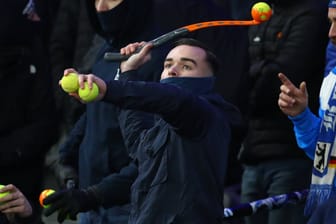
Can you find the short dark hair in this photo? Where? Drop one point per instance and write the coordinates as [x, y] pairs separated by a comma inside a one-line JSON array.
[[210, 57]]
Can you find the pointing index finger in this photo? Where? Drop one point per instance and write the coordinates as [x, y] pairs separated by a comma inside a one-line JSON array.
[[285, 80]]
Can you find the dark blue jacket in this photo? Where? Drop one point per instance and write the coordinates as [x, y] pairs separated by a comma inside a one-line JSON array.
[[181, 156]]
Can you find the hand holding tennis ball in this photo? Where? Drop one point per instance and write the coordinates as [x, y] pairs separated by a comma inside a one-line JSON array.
[[3, 194], [85, 88], [88, 94], [69, 82], [45, 194], [261, 11]]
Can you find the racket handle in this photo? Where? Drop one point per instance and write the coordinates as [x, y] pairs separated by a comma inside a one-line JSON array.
[[110, 56]]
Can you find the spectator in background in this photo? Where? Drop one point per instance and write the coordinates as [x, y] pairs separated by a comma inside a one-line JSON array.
[[71, 38], [95, 147], [241, 9], [72, 44], [27, 125], [273, 162]]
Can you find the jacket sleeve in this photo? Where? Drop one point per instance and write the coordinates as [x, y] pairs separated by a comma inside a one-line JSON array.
[[115, 189], [186, 112], [69, 149], [306, 128]]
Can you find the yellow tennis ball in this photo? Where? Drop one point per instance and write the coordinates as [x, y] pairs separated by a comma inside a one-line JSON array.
[[3, 194], [87, 94], [261, 11], [45, 193], [69, 83]]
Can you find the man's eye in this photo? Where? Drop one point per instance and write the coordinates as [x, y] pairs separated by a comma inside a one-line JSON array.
[[186, 67], [167, 65]]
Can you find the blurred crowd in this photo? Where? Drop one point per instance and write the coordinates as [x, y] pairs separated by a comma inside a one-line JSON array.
[[89, 150]]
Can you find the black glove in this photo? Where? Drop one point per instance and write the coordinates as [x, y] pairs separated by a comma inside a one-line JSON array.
[[69, 203]]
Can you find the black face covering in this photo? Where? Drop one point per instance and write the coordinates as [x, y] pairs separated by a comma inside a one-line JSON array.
[[112, 21], [195, 85]]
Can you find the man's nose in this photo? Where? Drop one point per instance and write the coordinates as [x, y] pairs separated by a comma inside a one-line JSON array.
[[172, 71]]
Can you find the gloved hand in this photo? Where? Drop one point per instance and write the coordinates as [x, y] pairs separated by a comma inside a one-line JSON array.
[[69, 203]]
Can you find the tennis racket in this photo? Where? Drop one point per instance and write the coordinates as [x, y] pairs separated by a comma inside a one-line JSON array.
[[182, 31]]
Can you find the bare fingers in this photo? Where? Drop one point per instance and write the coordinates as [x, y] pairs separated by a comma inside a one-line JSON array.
[[130, 48], [285, 100], [16, 203]]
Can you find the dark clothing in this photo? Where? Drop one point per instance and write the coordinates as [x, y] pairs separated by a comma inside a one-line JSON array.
[[241, 9], [13, 17], [229, 43], [3, 219], [181, 157], [71, 38], [293, 41], [27, 125], [96, 141], [278, 177], [139, 15], [324, 214], [69, 50]]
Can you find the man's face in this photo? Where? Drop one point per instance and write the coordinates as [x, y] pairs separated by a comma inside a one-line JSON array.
[[332, 30], [105, 5], [186, 61]]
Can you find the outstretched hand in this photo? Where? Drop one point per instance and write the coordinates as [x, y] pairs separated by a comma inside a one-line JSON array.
[[69, 203], [292, 100], [138, 58], [90, 79]]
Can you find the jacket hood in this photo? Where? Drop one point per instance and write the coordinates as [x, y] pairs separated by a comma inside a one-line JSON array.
[[137, 17]]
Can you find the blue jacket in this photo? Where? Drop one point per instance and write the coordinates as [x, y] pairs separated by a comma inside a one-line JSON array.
[[181, 153]]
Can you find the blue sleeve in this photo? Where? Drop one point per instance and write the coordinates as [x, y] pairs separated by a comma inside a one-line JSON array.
[[165, 100], [115, 189], [306, 128], [330, 58], [69, 149]]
